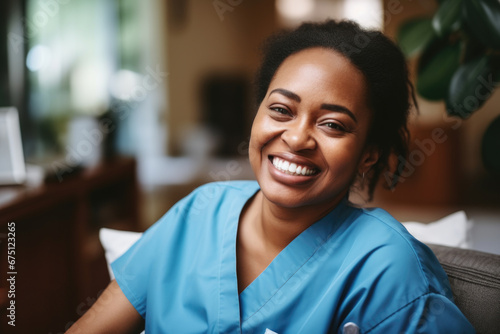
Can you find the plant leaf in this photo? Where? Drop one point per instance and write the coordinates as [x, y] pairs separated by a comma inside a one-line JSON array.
[[436, 67], [470, 87], [472, 49], [483, 20], [447, 16], [415, 35], [490, 147]]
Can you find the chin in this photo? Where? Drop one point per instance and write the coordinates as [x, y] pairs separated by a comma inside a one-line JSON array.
[[288, 197]]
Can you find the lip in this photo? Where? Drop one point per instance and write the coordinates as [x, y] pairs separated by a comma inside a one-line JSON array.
[[285, 178]]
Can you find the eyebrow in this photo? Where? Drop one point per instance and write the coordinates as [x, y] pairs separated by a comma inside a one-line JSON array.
[[326, 106], [287, 93], [341, 109]]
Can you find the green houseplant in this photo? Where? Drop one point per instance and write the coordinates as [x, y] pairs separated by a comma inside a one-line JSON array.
[[458, 51]]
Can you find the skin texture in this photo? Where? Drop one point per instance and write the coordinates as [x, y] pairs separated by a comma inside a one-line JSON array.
[[315, 114]]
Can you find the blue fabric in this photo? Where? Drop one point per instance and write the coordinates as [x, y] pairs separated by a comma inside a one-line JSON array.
[[353, 265]]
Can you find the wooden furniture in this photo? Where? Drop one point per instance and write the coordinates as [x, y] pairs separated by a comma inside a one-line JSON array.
[[59, 261]]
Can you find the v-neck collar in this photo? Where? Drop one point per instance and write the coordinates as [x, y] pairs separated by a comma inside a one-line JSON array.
[[234, 308], [287, 263]]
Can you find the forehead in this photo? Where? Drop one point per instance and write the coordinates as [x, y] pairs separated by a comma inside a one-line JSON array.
[[324, 73]]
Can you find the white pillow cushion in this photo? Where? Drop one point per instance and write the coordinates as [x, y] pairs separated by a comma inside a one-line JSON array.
[[452, 230], [115, 243]]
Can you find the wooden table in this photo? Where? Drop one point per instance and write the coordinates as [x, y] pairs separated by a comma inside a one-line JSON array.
[[59, 262]]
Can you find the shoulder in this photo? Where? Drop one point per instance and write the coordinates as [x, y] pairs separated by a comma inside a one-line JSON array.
[[220, 189], [210, 204], [215, 193], [241, 186], [400, 272], [204, 204], [396, 251]]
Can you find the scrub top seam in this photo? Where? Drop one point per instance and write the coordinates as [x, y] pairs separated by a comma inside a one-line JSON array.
[[401, 308], [422, 272]]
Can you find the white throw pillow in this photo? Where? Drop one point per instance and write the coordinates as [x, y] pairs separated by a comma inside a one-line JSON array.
[[115, 243], [452, 230]]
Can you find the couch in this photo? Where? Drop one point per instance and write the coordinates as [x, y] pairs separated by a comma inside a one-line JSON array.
[[475, 283]]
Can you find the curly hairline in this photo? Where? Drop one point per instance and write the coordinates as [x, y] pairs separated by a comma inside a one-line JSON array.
[[385, 70]]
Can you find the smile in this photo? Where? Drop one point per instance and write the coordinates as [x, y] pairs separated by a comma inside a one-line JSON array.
[[292, 168]]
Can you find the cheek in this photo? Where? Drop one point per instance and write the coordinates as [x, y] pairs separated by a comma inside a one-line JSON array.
[[255, 134], [263, 131], [342, 157]]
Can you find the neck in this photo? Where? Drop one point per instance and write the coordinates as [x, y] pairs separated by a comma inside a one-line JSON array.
[[278, 225]]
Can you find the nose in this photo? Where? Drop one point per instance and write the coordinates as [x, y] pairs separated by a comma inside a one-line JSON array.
[[298, 136]]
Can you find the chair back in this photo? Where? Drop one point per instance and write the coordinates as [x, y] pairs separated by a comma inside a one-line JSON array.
[[475, 283]]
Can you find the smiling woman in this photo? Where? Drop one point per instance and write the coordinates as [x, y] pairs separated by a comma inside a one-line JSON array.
[[289, 253], [312, 117]]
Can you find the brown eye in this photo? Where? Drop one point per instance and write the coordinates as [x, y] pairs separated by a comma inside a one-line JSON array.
[[280, 110], [335, 126]]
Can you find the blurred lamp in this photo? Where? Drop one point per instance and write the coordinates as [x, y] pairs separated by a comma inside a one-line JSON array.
[[295, 9], [89, 87], [123, 84], [368, 13]]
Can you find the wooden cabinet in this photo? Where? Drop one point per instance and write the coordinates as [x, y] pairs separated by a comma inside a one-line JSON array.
[[59, 262]]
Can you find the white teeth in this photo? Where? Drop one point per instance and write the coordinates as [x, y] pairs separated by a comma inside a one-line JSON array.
[[285, 165], [291, 167]]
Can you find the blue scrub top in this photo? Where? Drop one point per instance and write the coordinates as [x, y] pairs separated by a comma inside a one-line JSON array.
[[353, 271]]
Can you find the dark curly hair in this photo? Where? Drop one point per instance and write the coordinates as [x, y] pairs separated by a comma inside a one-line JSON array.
[[386, 73]]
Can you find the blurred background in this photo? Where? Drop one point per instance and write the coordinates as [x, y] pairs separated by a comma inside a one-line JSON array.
[[126, 106]]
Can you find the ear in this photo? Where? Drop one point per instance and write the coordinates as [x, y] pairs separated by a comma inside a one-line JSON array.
[[368, 159]]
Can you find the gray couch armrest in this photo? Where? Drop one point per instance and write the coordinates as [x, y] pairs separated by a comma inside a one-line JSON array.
[[475, 282]]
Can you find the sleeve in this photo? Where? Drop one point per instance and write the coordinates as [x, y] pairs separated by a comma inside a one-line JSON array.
[[430, 313], [135, 268]]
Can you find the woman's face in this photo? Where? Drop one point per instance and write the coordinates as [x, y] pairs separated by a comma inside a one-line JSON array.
[[308, 137]]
